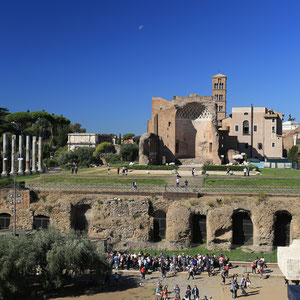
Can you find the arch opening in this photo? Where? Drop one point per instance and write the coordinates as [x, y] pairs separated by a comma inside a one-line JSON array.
[[41, 222], [159, 226], [282, 226], [246, 127], [242, 228], [4, 221], [198, 228], [80, 215]]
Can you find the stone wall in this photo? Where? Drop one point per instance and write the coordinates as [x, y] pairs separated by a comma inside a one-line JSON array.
[[128, 223]]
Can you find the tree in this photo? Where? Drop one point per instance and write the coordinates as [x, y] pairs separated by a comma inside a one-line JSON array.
[[129, 152], [104, 147], [136, 139], [77, 128], [293, 154], [20, 120], [120, 139], [57, 258], [4, 126], [128, 136]]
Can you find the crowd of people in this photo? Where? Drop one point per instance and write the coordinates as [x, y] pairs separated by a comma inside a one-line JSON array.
[[192, 264]]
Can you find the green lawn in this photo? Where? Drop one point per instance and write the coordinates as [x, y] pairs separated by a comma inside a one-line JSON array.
[[257, 182], [108, 180], [234, 255], [283, 173]]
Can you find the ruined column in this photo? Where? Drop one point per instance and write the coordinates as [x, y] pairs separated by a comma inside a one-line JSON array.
[[33, 161], [4, 157], [40, 156], [13, 154], [27, 160], [21, 154]]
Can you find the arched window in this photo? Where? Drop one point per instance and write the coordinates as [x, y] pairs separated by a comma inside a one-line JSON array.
[[242, 228], [4, 221], [282, 226], [246, 127], [198, 228], [216, 86], [159, 226], [40, 222]]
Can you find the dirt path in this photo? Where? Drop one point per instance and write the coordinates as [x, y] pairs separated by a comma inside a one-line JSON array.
[[267, 289]]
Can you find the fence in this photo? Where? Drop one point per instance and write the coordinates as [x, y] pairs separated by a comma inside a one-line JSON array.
[[160, 189]]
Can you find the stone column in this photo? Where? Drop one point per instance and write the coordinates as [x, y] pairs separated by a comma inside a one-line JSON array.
[[21, 156], [27, 161], [40, 156], [33, 162], [13, 154], [4, 169]]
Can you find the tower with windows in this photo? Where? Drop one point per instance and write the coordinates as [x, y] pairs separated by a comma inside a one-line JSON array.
[[219, 90]]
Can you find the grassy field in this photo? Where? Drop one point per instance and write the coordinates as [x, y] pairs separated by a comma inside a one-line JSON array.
[[234, 255], [257, 182]]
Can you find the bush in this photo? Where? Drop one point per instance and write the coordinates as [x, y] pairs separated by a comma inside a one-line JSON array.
[[129, 152], [50, 162], [114, 158], [224, 168]]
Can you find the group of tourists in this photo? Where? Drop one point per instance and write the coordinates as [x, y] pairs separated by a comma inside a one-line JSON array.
[[162, 293], [194, 264]]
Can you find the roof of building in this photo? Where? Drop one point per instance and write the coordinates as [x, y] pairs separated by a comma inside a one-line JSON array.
[[219, 75]]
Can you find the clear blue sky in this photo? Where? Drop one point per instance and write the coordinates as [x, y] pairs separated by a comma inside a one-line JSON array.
[[99, 62]]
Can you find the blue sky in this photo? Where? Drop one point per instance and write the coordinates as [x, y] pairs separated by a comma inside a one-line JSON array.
[[99, 62]]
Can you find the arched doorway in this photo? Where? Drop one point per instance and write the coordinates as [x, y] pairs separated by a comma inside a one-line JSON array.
[[198, 229], [40, 222], [282, 226], [159, 226], [4, 221], [242, 228], [80, 215]]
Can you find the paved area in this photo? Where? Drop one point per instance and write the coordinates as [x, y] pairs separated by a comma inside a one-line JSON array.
[[130, 286]]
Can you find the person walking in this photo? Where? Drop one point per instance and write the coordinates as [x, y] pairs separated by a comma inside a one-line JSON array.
[[186, 183], [193, 172], [243, 285], [245, 171], [177, 291], [191, 272], [143, 272], [195, 293], [177, 182], [118, 171]]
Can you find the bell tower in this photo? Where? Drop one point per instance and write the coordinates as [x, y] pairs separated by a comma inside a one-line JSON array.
[[219, 91]]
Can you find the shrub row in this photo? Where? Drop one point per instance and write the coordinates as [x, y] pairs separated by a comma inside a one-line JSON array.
[[152, 167], [224, 168]]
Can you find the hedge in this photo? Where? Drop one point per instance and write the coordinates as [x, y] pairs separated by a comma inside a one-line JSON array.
[[9, 183], [152, 167], [224, 168]]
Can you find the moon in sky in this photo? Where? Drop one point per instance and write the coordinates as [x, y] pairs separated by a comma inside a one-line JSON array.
[[141, 27]]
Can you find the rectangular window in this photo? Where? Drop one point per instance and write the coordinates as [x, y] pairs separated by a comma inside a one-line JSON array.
[[216, 97], [220, 108], [236, 128], [259, 146], [255, 128], [273, 145], [273, 120], [273, 129], [221, 97]]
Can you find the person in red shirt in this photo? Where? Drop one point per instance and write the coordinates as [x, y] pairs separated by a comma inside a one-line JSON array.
[[143, 272]]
